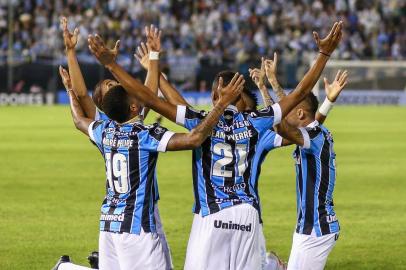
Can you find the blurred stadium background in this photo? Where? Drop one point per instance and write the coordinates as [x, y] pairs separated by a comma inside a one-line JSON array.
[[51, 177]]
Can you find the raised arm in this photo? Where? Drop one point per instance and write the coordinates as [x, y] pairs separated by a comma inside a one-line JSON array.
[[170, 93], [258, 76], [326, 47], [270, 71], [153, 44], [193, 139], [333, 90], [107, 57], [78, 83], [79, 118]]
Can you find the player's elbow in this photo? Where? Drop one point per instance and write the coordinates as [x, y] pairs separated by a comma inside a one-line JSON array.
[[78, 123]]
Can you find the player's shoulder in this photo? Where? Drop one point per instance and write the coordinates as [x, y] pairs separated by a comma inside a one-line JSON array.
[[154, 129], [102, 124], [192, 113], [257, 113]]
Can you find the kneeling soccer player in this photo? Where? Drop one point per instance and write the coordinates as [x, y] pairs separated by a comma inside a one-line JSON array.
[[128, 238]]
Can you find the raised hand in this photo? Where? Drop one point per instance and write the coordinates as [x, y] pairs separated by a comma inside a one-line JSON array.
[[229, 93], [69, 39], [142, 55], [270, 67], [103, 54], [334, 89], [329, 43], [258, 75], [65, 78], [153, 35]]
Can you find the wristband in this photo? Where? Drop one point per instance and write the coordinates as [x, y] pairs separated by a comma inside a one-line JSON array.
[[326, 54], [326, 107], [153, 55]]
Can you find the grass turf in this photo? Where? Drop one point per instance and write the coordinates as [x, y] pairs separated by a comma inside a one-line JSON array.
[[52, 184]]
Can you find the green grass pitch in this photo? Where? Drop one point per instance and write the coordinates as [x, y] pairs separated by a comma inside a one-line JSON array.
[[52, 184]]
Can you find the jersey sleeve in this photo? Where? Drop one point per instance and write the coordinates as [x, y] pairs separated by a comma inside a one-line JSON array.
[[311, 138], [95, 131], [188, 117], [272, 140], [99, 115], [155, 138], [266, 118]]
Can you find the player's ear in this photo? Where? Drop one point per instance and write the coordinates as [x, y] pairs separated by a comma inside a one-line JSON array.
[[300, 114]]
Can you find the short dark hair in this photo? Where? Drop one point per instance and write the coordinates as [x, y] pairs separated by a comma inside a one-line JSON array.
[[116, 104], [97, 95], [312, 103], [227, 76]]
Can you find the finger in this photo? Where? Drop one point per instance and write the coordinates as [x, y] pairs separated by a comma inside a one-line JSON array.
[[144, 48], [316, 37], [140, 52], [262, 63], [240, 80], [76, 33], [137, 57], [332, 31], [220, 85], [117, 46], [98, 40], [92, 50], [60, 71], [338, 28], [338, 75], [64, 23], [275, 58], [344, 84], [234, 79], [325, 81], [156, 32], [343, 78]]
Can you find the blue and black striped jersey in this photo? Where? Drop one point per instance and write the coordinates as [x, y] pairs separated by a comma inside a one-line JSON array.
[[315, 181], [100, 115], [226, 167], [130, 152]]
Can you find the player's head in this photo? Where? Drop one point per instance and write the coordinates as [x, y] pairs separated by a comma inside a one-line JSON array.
[[304, 111], [119, 106], [248, 98], [100, 90]]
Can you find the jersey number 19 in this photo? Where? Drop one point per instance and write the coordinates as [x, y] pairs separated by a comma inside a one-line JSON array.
[[117, 173]]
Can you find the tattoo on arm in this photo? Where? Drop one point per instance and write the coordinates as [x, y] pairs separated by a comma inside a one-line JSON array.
[[277, 88], [266, 97]]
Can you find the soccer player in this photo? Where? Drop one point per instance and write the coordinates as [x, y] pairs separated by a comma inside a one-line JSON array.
[[225, 231], [130, 150], [268, 69], [317, 226], [92, 105]]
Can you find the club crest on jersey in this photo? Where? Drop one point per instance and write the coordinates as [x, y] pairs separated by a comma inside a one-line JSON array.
[[159, 130]]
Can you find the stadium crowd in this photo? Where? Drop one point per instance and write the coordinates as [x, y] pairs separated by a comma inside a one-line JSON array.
[[203, 35]]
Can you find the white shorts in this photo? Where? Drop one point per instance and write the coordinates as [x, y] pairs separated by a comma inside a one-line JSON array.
[[310, 252], [162, 238], [228, 239]]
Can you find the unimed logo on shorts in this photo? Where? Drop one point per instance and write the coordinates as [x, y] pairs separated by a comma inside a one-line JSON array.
[[231, 226]]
